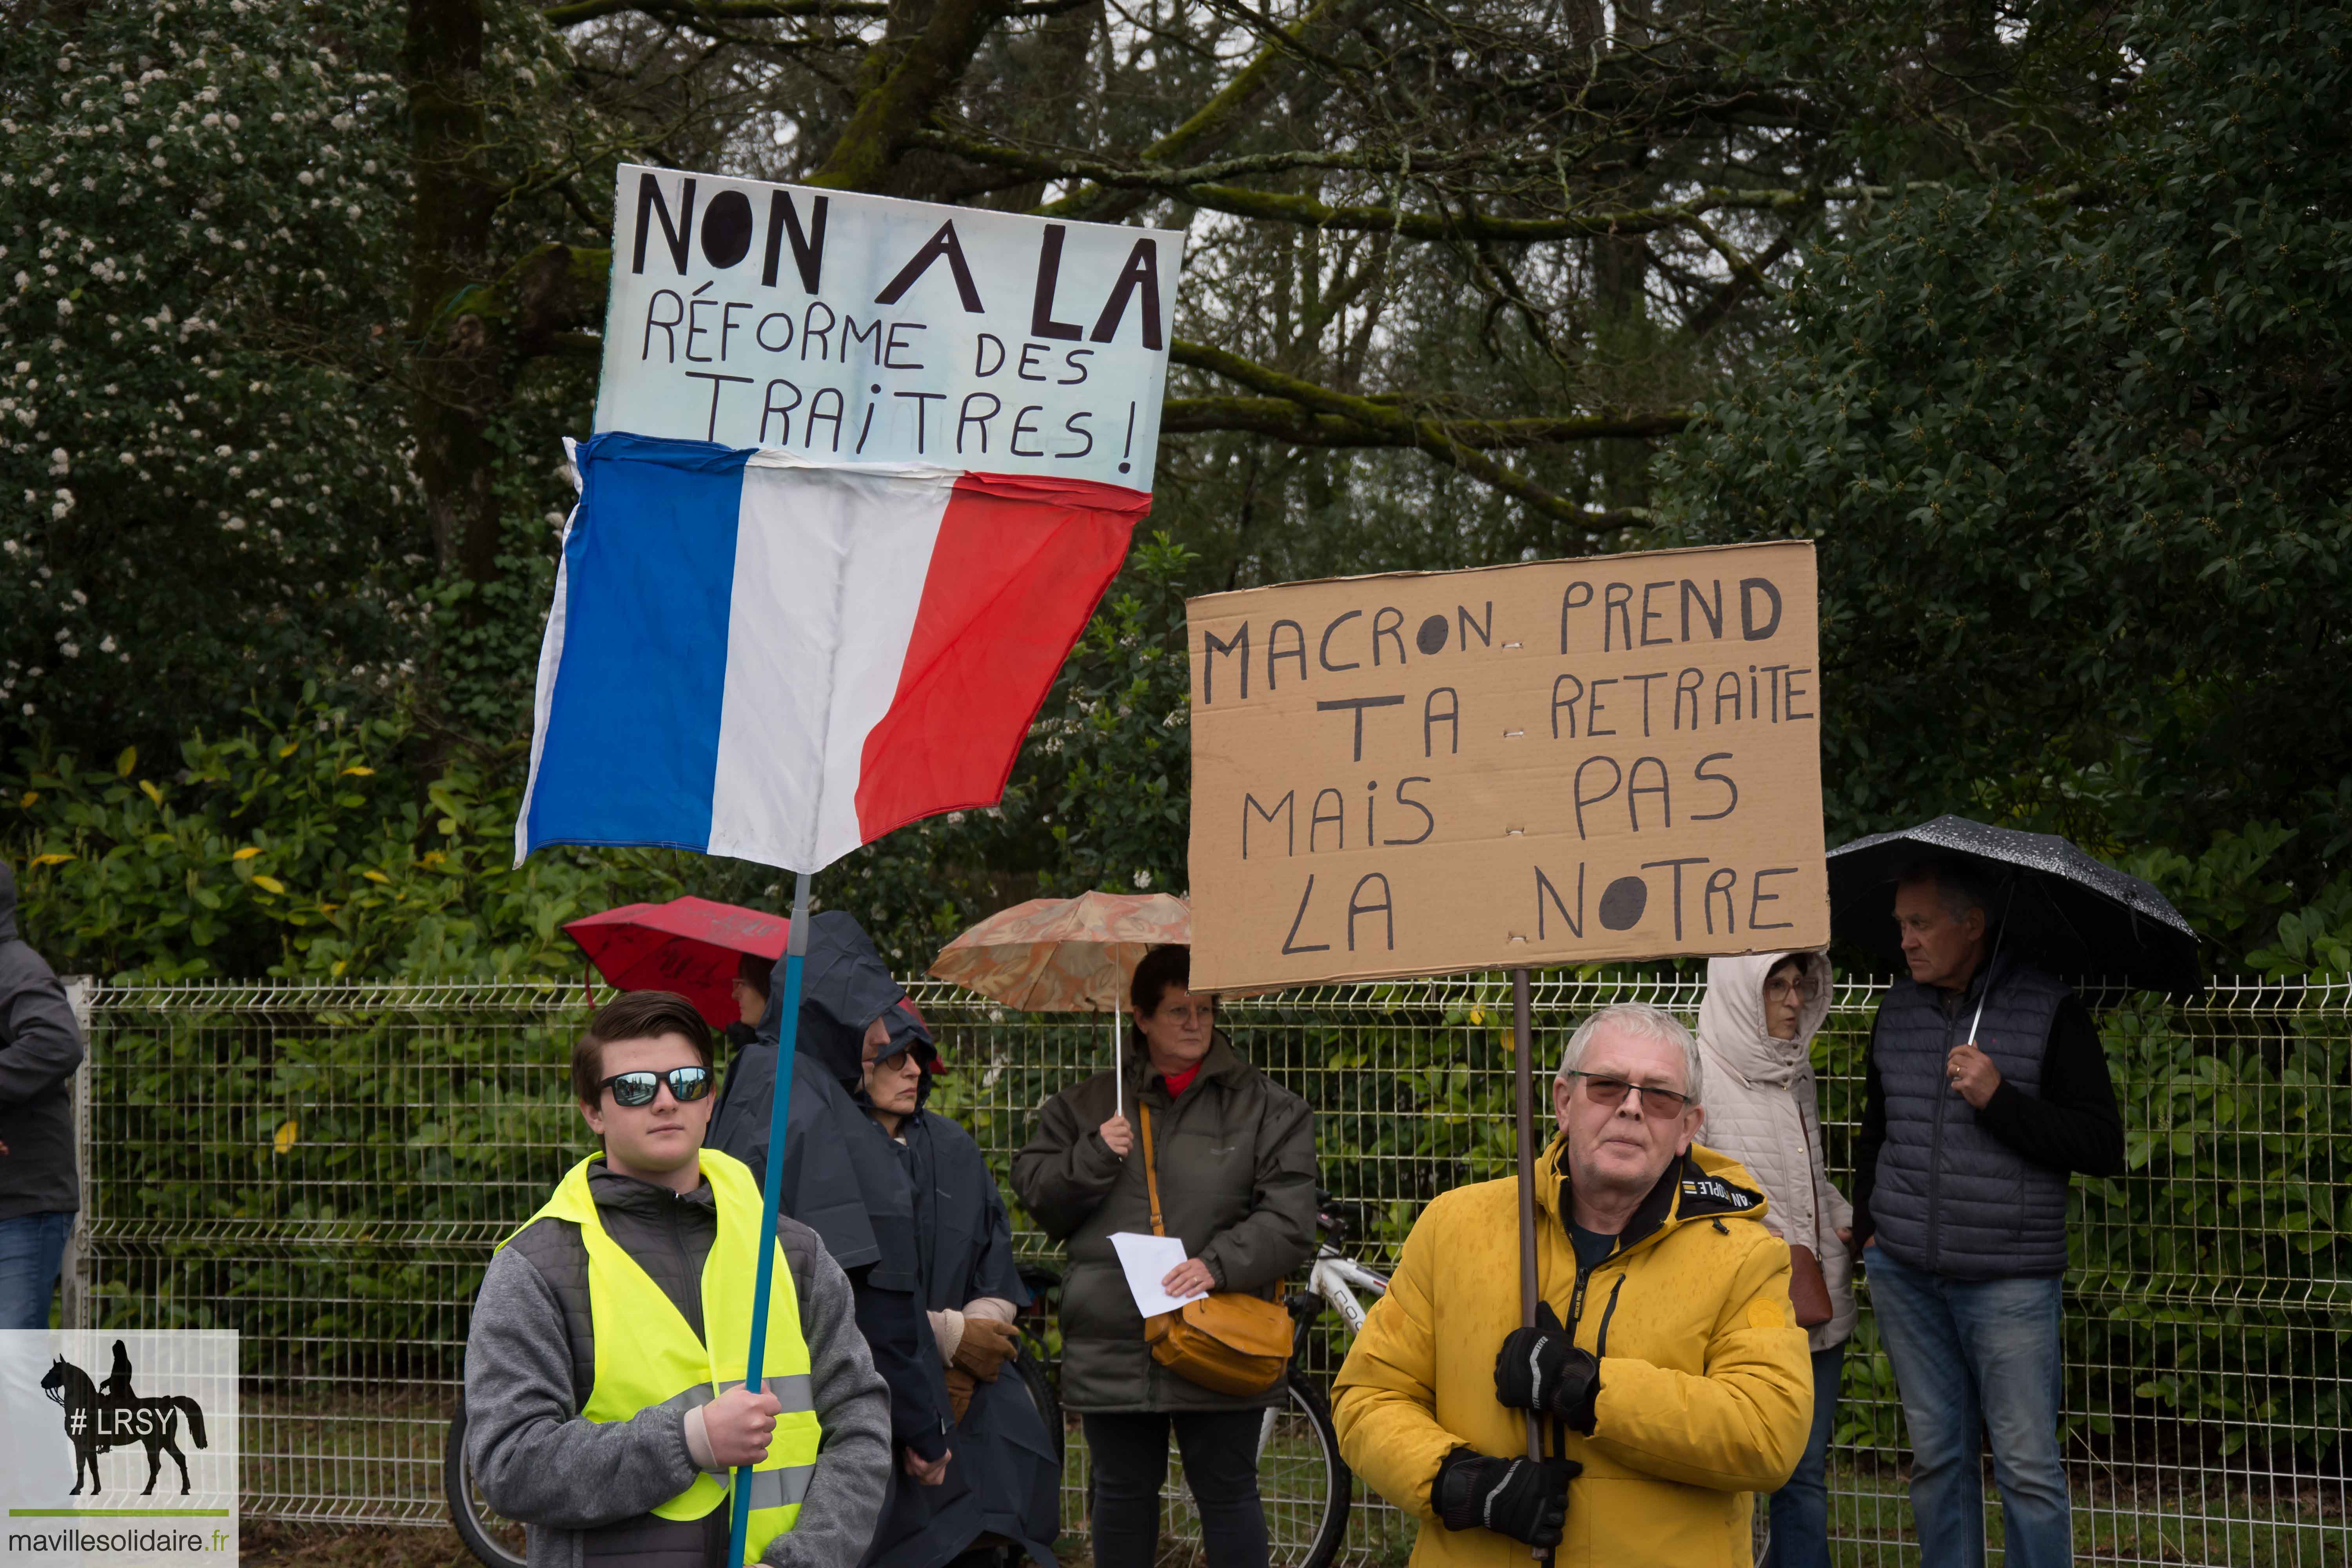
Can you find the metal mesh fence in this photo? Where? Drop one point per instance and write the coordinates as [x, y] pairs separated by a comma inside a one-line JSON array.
[[327, 1170]]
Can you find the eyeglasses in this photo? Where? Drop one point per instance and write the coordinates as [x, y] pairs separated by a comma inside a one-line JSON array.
[[1611, 1092], [636, 1089]]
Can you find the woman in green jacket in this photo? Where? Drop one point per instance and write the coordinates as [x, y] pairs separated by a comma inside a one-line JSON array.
[[1235, 1157]]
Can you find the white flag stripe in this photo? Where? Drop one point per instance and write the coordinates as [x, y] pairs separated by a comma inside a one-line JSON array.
[[854, 548], [551, 656]]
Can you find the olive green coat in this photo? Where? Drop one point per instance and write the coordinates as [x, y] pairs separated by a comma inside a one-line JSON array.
[[1236, 1158]]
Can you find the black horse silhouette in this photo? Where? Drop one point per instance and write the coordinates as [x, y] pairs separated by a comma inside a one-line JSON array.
[[97, 1423]]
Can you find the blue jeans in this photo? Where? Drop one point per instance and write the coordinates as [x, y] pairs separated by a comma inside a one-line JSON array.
[[32, 1249], [1801, 1509], [1975, 1358]]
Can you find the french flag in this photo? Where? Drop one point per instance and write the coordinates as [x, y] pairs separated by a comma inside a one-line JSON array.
[[781, 660]]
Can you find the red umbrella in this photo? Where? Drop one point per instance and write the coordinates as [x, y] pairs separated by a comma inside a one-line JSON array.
[[692, 946]]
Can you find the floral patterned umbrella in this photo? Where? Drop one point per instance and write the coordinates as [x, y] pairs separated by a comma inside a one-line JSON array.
[[1065, 955]]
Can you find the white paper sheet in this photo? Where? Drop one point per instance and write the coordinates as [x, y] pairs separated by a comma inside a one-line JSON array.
[[1147, 1260]]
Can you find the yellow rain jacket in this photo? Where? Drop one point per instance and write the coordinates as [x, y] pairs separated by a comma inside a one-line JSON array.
[[1707, 1392]]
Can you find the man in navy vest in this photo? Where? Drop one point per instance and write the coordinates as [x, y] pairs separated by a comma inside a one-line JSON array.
[[1960, 1186]]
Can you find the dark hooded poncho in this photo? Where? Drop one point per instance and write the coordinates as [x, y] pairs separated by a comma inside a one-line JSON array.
[[1005, 1479], [841, 1175], [920, 1226]]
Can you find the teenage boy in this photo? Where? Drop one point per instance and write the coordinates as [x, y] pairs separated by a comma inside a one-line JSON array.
[[604, 1402]]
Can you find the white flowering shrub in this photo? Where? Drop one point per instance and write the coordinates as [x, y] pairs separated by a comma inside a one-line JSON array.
[[203, 491]]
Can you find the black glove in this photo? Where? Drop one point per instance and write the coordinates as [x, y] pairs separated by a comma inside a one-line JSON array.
[[1540, 1368], [1526, 1500]]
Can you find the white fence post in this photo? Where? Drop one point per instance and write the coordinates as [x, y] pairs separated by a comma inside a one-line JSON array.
[[80, 1310]]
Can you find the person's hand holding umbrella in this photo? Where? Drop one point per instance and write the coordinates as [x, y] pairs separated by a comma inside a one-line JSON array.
[[1117, 1136], [1971, 1073]]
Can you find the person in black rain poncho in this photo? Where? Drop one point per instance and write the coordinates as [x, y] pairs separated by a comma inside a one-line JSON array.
[[852, 1183], [1002, 1486]]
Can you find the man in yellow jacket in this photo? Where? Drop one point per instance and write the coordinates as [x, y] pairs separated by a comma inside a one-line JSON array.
[[1666, 1365]]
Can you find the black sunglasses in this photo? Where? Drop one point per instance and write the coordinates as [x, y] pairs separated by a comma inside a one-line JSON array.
[[1611, 1092], [634, 1088]]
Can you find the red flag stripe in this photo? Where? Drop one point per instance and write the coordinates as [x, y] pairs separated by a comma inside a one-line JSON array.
[[1019, 564]]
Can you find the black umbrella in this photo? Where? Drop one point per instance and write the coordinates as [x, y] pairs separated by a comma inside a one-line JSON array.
[[2058, 910]]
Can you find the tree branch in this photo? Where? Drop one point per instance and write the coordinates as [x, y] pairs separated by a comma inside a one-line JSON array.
[[1213, 118], [910, 88], [1279, 206], [1211, 122], [1285, 421], [697, 14], [1430, 435], [545, 303], [579, 11], [1744, 280]]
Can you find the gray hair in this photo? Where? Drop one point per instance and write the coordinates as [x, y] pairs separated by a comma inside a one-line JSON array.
[[1641, 1019], [1959, 887]]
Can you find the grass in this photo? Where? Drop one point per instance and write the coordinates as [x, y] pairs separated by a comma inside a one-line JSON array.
[[2196, 1518], [266, 1543]]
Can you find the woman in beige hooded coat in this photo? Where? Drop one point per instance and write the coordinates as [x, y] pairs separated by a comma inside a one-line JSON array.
[[1755, 1028]]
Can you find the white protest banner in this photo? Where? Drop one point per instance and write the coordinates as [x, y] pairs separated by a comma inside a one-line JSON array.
[[1549, 764], [858, 329]]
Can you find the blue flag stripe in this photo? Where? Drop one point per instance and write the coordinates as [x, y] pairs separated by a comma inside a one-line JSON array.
[[631, 737]]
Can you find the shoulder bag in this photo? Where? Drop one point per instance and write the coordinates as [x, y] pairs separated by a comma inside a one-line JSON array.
[[1808, 1288], [1228, 1340]]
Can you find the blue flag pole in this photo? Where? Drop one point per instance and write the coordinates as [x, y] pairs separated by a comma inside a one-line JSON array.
[[788, 1029]]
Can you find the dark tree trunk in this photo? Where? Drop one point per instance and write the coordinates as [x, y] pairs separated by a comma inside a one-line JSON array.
[[459, 371]]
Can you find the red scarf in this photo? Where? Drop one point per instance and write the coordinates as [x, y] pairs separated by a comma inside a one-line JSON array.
[[1178, 1082]]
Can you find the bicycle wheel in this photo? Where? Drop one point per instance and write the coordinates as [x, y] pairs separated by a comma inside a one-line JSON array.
[[496, 1542], [1305, 1486]]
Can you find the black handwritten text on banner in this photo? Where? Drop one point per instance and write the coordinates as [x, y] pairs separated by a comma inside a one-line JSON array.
[[1549, 764], [868, 330]]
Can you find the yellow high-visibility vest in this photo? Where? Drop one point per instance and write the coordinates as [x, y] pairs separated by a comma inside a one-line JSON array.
[[647, 1355]]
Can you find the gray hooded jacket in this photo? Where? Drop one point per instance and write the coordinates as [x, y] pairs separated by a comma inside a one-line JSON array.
[[585, 1488], [39, 1048], [1763, 1108]]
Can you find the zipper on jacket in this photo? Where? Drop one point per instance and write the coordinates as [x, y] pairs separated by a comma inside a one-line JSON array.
[[1935, 1141], [689, 1278], [1601, 1346]]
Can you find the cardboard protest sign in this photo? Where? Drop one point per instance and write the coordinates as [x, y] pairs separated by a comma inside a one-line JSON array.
[[858, 329], [1549, 764]]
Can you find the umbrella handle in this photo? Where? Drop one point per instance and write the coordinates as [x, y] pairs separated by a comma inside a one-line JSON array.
[[2008, 904], [1117, 1071]]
